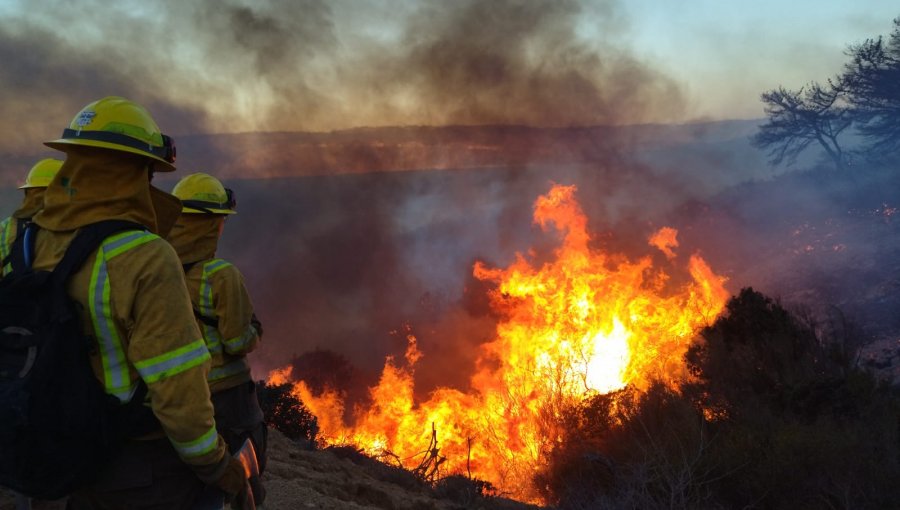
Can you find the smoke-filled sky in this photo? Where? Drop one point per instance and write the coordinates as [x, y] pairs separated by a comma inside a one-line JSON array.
[[289, 65]]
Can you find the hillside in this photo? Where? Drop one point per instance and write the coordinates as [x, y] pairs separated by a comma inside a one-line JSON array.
[[337, 480]]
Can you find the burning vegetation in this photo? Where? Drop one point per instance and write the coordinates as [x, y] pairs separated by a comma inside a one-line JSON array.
[[582, 323]]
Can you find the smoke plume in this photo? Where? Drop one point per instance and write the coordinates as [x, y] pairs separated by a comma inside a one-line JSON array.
[[235, 66]]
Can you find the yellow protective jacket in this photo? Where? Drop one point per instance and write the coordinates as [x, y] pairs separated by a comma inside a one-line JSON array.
[[9, 228], [219, 297], [134, 301]]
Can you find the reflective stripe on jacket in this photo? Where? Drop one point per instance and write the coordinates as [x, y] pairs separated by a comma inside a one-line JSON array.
[[218, 293]]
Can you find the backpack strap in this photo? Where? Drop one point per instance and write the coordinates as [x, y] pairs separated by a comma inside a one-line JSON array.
[[86, 241], [22, 250], [135, 418]]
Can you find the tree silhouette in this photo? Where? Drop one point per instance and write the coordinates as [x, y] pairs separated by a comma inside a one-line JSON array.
[[796, 119], [872, 82]]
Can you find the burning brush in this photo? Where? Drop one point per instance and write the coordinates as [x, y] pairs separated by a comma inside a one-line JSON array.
[[583, 323]]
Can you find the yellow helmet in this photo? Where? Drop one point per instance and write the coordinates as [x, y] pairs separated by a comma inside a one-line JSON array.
[[42, 173], [203, 194], [118, 124]]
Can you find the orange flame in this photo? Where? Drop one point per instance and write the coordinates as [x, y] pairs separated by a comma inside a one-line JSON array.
[[585, 322], [665, 239]]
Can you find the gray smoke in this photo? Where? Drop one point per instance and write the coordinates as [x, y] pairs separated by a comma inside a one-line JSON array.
[[238, 66]]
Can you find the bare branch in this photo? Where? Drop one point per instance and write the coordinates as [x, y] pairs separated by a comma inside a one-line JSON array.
[[817, 113]]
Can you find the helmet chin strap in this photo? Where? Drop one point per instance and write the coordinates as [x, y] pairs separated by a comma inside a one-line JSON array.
[[200, 205], [232, 201]]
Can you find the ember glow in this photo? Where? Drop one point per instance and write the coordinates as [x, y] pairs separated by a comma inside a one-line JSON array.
[[584, 322]]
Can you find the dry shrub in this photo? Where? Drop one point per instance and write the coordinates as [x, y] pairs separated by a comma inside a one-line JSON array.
[[287, 413]]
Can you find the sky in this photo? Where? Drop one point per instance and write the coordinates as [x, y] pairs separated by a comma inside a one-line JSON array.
[[229, 66], [724, 53]]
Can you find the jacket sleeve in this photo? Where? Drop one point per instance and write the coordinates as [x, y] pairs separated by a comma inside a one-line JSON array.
[[168, 352], [237, 322]]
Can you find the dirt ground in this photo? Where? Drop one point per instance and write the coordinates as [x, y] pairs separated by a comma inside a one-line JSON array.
[[296, 478]]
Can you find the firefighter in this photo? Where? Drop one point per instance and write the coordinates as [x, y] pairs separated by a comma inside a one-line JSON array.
[[223, 310], [135, 309], [36, 182]]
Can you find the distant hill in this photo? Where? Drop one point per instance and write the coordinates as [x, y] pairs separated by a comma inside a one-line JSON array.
[[388, 149]]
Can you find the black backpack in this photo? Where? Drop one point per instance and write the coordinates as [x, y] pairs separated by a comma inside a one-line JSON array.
[[58, 427]]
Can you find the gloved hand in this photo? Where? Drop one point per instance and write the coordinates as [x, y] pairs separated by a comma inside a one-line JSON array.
[[233, 481]]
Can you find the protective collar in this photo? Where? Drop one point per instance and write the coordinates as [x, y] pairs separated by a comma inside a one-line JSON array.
[[100, 184], [31, 204], [195, 237]]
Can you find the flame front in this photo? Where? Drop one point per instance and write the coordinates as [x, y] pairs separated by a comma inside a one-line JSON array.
[[585, 322]]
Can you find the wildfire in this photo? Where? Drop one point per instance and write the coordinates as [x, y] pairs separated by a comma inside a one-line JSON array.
[[586, 321]]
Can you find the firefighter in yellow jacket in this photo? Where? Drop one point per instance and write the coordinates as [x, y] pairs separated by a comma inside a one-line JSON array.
[[135, 308], [38, 178], [223, 310]]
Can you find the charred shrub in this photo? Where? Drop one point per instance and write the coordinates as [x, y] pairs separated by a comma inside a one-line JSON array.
[[630, 450], [579, 468], [463, 490], [286, 413]]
